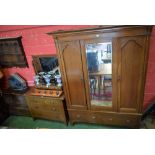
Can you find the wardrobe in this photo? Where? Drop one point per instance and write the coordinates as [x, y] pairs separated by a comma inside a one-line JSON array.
[[103, 72]]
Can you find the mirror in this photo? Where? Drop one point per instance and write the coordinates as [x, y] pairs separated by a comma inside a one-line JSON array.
[[47, 72], [99, 64], [46, 63]]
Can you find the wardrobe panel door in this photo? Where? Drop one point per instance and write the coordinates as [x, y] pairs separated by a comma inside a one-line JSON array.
[[73, 72], [131, 73]]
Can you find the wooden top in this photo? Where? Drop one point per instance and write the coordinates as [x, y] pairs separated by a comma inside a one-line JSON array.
[[31, 93], [99, 28]]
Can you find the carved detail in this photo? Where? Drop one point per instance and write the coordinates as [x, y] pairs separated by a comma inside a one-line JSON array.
[[131, 57], [123, 45], [65, 47]]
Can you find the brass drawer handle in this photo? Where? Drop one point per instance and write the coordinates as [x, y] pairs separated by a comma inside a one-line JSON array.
[[93, 117], [110, 119], [78, 116], [54, 102], [54, 109]]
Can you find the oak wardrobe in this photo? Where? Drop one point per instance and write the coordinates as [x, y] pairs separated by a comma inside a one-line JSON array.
[[103, 72]]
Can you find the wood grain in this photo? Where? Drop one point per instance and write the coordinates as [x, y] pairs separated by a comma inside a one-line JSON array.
[[129, 63]]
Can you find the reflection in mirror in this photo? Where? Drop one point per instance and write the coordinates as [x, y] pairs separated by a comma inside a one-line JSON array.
[[99, 62], [48, 63], [47, 71]]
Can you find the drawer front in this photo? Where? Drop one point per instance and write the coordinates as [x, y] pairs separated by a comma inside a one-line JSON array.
[[41, 99], [37, 113], [104, 118], [48, 115], [30, 99], [54, 116], [48, 108], [37, 100], [45, 103], [53, 107], [75, 116]]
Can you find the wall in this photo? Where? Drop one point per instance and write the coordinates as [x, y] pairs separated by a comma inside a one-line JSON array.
[[150, 78], [36, 41]]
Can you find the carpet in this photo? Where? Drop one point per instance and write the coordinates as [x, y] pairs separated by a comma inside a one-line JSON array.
[[22, 122]]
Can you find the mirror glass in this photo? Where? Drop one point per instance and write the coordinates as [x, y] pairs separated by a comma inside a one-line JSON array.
[[48, 63], [99, 64], [47, 71]]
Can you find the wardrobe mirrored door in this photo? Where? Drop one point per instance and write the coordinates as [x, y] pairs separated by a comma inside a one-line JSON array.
[[99, 65]]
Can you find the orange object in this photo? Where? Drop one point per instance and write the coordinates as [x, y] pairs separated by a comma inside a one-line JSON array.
[[45, 92]]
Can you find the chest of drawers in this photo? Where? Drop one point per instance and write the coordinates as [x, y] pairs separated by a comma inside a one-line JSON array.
[[46, 107], [16, 103]]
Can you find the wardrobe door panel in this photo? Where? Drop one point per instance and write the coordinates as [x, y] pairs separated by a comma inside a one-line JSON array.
[[73, 71], [131, 73]]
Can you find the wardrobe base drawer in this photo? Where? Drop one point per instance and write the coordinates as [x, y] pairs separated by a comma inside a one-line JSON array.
[[107, 118]]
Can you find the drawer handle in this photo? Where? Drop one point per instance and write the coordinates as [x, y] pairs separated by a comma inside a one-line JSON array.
[[128, 121], [110, 119], [54, 109], [93, 117], [78, 116]]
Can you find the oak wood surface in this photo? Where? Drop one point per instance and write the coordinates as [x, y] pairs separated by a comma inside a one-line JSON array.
[[132, 54], [107, 118], [46, 107], [129, 63], [72, 66]]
